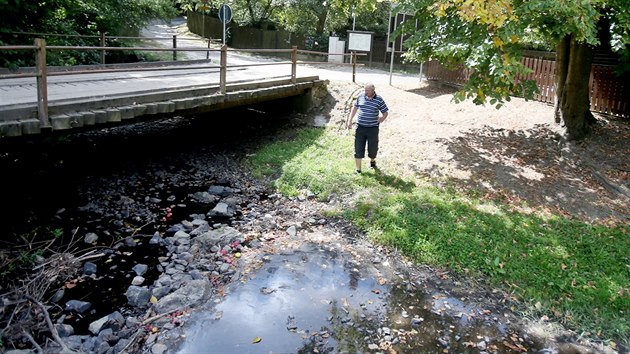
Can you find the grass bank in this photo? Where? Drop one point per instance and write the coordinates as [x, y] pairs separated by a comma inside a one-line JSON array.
[[572, 271]]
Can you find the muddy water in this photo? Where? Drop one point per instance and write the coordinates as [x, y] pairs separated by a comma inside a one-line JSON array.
[[318, 299]]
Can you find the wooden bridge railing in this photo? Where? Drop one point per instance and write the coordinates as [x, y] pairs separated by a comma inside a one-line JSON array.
[[41, 73]]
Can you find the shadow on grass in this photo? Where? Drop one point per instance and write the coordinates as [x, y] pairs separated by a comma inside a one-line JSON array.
[[393, 181], [535, 167], [575, 270]]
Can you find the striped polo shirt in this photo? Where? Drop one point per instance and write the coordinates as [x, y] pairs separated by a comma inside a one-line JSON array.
[[368, 109]]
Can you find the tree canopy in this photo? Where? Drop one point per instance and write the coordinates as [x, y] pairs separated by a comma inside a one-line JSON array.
[[82, 17], [487, 36]]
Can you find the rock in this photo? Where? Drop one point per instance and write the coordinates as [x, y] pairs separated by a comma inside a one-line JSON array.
[[90, 238], [482, 345], [64, 330], [129, 242], [161, 291], [220, 190], [158, 348], [204, 197], [77, 306], [89, 268], [137, 280], [107, 335], [224, 235], [186, 296], [138, 296], [221, 210], [292, 231], [114, 321], [156, 239], [140, 268]]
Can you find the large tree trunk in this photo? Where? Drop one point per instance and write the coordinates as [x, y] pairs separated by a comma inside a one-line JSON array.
[[573, 68]]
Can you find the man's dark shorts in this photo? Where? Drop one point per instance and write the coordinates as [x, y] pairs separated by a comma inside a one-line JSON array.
[[363, 135]]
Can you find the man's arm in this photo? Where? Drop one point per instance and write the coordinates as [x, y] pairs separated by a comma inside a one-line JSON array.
[[352, 114], [383, 117]]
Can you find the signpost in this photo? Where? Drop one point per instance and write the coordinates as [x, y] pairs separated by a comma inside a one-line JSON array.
[[361, 41], [225, 15]]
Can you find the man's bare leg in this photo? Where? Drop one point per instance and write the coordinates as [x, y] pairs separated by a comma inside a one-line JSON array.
[[357, 162]]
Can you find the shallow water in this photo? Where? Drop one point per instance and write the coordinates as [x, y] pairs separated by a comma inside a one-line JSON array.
[[319, 298]]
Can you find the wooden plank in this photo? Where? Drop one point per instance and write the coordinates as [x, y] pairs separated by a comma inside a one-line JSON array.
[[593, 89], [545, 80], [538, 70], [553, 81]]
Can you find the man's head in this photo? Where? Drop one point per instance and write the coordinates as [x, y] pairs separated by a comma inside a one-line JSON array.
[[369, 90]]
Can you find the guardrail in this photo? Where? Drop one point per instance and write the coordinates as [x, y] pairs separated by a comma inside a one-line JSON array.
[[41, 73]]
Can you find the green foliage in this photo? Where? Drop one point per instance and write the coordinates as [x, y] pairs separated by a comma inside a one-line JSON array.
[[573, 271], [576, 272], [73, 17], [487, 37], [314, 17]]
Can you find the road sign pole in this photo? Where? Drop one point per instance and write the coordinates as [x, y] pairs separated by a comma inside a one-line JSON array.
[[224, 21]]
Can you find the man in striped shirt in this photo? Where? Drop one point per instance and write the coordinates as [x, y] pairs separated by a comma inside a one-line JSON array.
[[369, 106]]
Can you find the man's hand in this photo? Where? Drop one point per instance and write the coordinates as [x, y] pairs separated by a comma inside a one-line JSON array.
[[350, 124]]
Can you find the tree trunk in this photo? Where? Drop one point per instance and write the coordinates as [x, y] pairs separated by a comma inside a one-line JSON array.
[[321, 21], [573, 68]]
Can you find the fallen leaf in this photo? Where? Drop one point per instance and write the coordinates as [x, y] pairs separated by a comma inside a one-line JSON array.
[[256, 340], [153, 300], [70, 285]]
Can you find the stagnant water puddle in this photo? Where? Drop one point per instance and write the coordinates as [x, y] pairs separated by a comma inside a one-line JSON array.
[[317, 299]]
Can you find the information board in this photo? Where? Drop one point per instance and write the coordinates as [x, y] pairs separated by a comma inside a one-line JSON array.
[[360, 41]]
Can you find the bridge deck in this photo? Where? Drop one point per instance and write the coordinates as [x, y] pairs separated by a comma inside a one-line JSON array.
[[78, 100]]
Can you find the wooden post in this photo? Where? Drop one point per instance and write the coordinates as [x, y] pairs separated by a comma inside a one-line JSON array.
[[42, 87], [208, 52], [102, 34], [222, 77], [354, 66], [174, 46], [293, 64]]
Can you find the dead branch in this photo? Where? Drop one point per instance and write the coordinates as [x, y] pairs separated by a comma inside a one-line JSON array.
[[33, 342], [609, 185], [51, 327], [151, 319], [141, 227]]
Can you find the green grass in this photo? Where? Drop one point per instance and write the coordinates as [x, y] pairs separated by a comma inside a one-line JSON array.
[[569, 270]]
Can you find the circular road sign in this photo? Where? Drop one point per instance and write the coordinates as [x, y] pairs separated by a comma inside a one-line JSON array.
[[225, 13]]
